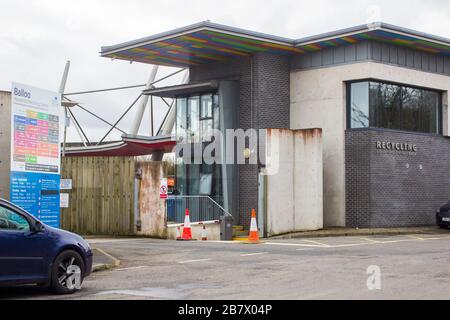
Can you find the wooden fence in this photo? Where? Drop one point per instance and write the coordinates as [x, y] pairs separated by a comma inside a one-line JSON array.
[[102, 198]]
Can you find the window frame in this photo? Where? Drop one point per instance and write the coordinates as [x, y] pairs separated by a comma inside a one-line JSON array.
[[348, 97], [215, 114], [200, 119]]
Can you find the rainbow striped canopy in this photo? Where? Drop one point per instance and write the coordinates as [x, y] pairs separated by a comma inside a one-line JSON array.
[[207, 42]]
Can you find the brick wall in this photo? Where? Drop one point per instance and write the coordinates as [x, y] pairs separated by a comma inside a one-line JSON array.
[[357, 178], [395, 188], [271, 108]]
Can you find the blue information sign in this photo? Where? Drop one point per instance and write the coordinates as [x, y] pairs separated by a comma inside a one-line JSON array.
[[37, 193]]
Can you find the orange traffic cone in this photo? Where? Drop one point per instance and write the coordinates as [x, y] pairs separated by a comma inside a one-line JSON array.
[[204, 234], [187, 232], [179, 234], [254, 234]]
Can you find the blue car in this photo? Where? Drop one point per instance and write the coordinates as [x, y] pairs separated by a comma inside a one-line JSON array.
[[34, 253]]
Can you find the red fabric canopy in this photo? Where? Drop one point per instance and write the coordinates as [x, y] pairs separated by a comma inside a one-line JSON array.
[[128, 147]]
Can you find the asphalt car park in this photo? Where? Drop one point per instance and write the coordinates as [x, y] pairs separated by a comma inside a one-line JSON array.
[[410, 267]]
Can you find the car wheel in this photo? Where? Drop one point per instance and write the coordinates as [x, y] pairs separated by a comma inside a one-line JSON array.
[[443, 227], [64, 275]]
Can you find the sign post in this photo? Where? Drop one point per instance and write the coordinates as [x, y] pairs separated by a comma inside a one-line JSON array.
[[35, 152]]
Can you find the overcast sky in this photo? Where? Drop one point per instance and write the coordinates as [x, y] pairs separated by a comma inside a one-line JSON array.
[[38, 36]]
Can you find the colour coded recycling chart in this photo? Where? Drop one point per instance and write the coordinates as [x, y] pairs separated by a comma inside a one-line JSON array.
[[36, 136], [35, 152]]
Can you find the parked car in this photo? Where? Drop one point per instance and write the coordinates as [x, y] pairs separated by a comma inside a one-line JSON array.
[[443, 216], [34, 253]]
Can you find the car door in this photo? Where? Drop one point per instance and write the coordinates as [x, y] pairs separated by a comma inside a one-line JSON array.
[[22, 251]]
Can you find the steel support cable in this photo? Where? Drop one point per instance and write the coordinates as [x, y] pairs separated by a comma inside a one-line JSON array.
[[120, 119]]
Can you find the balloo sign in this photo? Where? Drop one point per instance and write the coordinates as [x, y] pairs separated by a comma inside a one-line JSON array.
[[35, 152]]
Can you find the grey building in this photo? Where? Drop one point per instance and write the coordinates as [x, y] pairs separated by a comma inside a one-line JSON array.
[[378, 92]]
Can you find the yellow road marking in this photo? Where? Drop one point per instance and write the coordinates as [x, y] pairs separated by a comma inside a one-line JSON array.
[[318, 244], [415, 237], [396, 241], [132, 268], [240, 239], [368, 240]]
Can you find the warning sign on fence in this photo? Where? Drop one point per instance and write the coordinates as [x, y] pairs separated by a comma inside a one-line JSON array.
[[163, 189]]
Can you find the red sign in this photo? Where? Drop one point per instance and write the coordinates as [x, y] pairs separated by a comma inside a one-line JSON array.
[[163, 189]]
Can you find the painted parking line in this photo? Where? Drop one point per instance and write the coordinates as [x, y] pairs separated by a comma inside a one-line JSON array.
[[442, 238], [293, 244], [106, 240], [349, 245], [398, 241], [317, 243], [367, 239], [424, 238], [415, 237], [368, 242], [253, 254], [192, 261], [219, 241]]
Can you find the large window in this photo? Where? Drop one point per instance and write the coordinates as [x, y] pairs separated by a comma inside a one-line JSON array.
[[197, 117], [391, 106]]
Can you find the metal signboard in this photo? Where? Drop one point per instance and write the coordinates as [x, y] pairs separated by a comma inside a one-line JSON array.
[[66, 184], [64, 200], [35, 152]]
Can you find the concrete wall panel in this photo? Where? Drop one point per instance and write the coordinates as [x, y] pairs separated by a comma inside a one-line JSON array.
[[295, 191], [151, 207], [280, 186], [308, 180]]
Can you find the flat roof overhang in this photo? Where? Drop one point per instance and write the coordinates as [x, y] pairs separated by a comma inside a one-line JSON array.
[[197, 44], [207, 42], [183, 90], [381, 32], [130, 146]]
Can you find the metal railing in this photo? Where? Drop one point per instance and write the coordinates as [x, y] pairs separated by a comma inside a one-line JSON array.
[[201, 209]]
